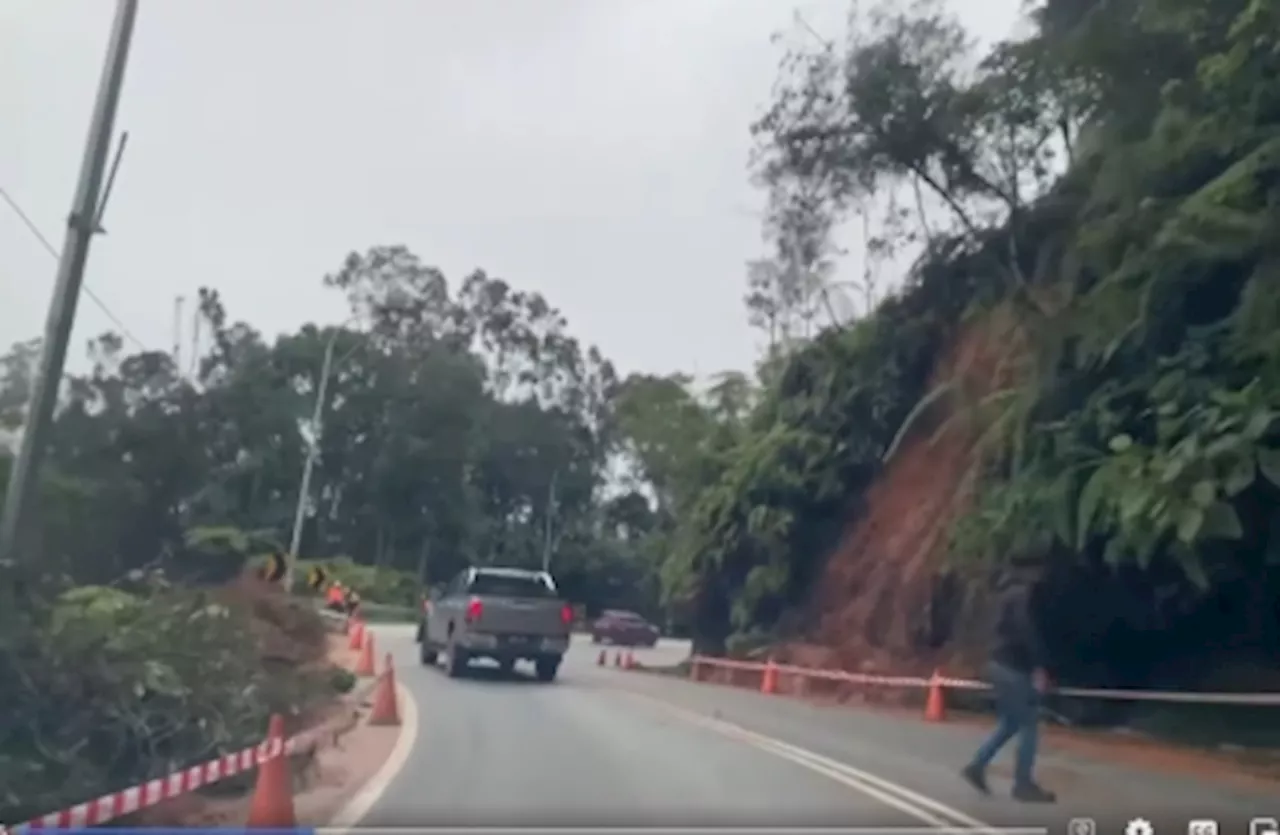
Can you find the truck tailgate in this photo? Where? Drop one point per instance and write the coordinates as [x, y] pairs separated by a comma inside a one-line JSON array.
[[521, 616]]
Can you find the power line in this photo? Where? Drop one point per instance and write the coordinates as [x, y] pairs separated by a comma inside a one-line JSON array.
[[53, 252]]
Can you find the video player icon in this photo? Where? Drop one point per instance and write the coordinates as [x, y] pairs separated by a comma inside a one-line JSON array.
[[1139, 826], [1082, 826], [1202, 827], [1264, 826]]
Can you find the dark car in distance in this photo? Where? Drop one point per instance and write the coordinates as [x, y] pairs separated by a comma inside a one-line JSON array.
[[622, 628]]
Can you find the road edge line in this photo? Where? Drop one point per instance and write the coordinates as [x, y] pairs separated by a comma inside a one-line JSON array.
[[922, 807], [362, 802], [922, 801]]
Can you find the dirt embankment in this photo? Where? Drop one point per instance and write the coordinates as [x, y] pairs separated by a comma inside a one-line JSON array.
[[878, 605], [324, 779], [287, 629], [346, 752]]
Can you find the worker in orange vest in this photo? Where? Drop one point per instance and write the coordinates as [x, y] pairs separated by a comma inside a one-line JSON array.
[[335, 598]]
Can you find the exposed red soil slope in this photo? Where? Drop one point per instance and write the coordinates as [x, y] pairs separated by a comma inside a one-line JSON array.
[[287, 628], [878, 588]]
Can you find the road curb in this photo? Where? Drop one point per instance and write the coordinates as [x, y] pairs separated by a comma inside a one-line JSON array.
[[367, 796]]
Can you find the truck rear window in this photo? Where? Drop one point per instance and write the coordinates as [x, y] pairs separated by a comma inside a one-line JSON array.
[[500, 585]]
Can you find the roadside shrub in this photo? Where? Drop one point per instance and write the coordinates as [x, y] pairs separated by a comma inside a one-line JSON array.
[[341, 680], [105, 687]]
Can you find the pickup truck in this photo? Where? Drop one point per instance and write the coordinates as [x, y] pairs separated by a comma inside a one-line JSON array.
[[506, 614]]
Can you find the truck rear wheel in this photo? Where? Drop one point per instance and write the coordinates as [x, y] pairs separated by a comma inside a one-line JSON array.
[[457, 664], [426, 654], [547, 668]]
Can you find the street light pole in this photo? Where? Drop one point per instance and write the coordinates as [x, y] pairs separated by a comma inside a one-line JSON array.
[[82, 224], [304, 488], [551, 510]]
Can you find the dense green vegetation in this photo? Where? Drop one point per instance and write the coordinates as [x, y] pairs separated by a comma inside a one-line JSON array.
[[108, 684], [1109, 183], [467, 427]]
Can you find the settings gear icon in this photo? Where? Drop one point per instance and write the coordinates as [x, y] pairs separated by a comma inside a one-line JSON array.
[[1139, 826]]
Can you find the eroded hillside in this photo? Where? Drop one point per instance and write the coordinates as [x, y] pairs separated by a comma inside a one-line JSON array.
[[1082, 366], [883, 600]]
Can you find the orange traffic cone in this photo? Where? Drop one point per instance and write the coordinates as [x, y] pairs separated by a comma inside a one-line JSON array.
[[364, 666], [355, 635], [935, 708], [272, 804], [385, 711], [603, 659], [769, 681]]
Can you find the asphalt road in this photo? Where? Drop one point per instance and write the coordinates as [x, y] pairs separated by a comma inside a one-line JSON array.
[[608, 747]]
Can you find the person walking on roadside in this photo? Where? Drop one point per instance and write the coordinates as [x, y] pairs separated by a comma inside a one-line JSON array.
[[1016, 671]]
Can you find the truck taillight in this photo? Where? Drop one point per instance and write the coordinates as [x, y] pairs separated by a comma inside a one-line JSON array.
[[475, 608], [566, 615]]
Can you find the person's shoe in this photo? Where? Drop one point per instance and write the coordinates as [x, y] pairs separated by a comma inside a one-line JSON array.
[[976, 777], [1032, 793]]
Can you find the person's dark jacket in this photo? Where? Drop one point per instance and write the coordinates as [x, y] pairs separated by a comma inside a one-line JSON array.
[[1018, 644]]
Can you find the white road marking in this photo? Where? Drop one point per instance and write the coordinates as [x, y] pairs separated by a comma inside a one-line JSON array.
[[923, 808], [359, 805]]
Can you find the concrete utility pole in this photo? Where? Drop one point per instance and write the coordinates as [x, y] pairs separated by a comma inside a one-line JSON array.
[[82, 224], [304, 489], [313, 451]]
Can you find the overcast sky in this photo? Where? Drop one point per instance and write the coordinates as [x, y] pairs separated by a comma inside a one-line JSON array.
[[592, 150]]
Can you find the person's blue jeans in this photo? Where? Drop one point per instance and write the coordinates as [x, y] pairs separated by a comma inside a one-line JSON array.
[[1018, 714]]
